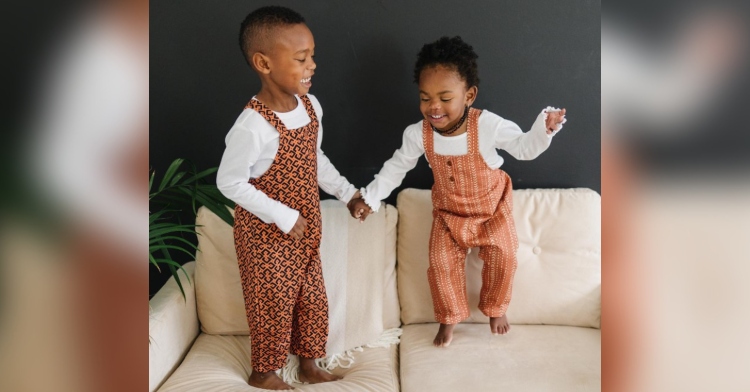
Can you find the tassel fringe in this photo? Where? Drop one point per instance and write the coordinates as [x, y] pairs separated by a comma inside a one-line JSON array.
[[290, 372]]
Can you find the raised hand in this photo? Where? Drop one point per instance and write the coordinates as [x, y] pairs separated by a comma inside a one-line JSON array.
[[554, 120]]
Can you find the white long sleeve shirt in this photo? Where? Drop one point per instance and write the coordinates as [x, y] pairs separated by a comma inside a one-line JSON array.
[[251, 147], [495, 133]]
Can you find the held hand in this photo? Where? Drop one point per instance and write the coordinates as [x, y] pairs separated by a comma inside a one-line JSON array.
[[298, 231], [359, 209], [554, 120]]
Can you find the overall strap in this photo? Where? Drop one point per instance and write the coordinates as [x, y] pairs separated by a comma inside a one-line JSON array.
[[267, 113]]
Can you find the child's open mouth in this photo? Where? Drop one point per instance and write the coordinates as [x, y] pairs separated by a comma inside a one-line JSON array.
[[437, 118], [306, 82]]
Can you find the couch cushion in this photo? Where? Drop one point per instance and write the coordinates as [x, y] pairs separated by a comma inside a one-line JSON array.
[[358, 267], [558, 280], [222, 363], [172, 327], [529, 358]]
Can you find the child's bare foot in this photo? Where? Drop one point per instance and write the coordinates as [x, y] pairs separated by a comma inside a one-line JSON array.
[[499, 325], [312, 374], [444, 335], [268, 380]]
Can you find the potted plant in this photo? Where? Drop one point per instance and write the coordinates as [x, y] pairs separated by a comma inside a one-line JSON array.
[[182, 190]]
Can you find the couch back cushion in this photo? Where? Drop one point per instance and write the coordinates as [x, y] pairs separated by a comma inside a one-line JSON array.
[[558, 280], [358, 268]]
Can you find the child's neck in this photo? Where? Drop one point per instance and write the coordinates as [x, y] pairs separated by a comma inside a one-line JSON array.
[[278, 101], [460, 131]]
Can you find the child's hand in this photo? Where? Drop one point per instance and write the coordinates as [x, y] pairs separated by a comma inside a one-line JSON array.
[[554, 120], [298, 231], [359, 209]]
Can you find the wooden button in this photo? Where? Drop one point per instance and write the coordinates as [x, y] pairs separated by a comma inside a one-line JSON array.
[[449, 163], [451, 179]]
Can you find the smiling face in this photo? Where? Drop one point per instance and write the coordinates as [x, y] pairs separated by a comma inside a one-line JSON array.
[[289, 65], [443, 95]]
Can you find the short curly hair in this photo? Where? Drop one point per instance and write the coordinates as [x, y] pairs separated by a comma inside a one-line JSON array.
[[452, 53], [256, 31]]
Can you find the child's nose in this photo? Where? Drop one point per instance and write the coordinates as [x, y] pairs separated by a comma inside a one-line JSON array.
[[312, 64]]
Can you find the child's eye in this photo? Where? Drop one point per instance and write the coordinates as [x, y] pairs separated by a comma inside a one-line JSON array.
[[423, 99], [301, 61], [446, 99]]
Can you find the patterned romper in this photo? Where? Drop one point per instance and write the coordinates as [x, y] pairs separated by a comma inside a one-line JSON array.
[[282, 279], [472, 207]]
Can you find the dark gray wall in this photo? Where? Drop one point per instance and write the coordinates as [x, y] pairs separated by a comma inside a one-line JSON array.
[[532, 54]]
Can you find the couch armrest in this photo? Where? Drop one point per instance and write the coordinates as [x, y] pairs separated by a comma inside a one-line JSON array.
[[172, 327]]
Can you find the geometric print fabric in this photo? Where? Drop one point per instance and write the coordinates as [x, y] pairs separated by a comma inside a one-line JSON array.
[[282, 279]]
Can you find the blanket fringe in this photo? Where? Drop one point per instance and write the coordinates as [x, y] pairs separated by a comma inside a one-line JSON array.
[[290, 372]]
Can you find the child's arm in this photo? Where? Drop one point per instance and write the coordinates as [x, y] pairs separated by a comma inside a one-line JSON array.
[[526, 146], [393, 171], [335, 184], [329, 179], [243, 148]]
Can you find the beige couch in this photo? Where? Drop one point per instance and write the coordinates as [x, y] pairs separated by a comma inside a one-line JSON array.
[[201, 343]]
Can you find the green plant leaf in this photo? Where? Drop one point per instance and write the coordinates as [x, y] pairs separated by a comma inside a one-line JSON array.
[[216, 195], [174, 264], [153, 261], [215, 207], [201, 175], [170, 172], [153, 217], [177, 178], [160, 225], [171, 198], [173, 238], [169, 260], [182, 188], [154, 248], [173, 270], [223, 213], [169, 230]]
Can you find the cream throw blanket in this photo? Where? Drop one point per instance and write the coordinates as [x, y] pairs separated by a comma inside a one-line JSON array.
[[358, 269]]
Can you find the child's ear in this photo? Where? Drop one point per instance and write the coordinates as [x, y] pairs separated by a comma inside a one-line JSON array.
[[471, 95], [261, 63]]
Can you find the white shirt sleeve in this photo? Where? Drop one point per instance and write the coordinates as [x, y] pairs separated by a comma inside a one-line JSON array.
[[394, 169], [242, 150], [524, 146], [329, 179]]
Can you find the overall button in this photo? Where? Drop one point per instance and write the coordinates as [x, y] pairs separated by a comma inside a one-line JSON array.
[[451, 179], [449, 163]]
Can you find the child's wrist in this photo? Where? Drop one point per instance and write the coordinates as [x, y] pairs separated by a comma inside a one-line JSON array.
[[353, 200]]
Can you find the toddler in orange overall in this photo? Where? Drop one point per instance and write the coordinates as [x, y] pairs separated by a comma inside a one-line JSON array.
[[471, 197], [271, 168]]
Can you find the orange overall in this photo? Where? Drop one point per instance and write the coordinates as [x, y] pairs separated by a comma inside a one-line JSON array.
[[282, 279], [472, 207]]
